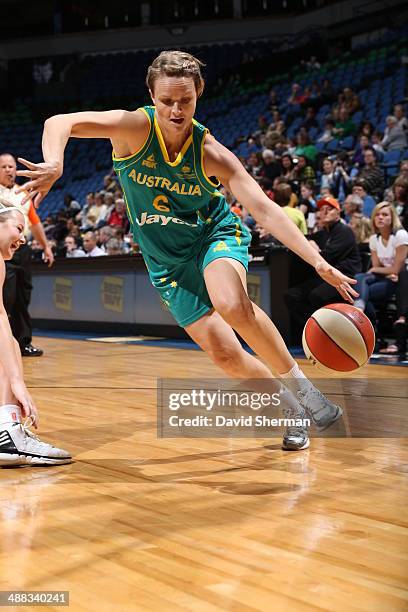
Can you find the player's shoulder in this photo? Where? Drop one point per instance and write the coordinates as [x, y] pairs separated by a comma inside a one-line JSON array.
[[217, 156]]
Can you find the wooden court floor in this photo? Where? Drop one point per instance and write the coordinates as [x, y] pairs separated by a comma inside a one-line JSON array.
[[141, 523]]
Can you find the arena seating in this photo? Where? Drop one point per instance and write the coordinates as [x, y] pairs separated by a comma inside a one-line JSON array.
[[375, 72]]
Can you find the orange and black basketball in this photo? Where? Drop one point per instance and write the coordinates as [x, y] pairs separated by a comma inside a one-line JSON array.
[[338, 338]]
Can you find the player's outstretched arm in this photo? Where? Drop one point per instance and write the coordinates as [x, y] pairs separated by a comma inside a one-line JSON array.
[[223, 164], [11, 361], [127, 131]]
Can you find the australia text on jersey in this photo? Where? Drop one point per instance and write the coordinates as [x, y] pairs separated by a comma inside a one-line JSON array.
[[164, 183]]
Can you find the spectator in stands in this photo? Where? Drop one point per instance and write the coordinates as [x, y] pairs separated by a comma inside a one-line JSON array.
[[350, 100], [394, 135], [352, 204], [118, 216], [119, 234], [90, 201], [389, 251], [109, 183], [399, 113], [337, 244], [114, 247], [359, 189], [307, 203], [76, 233], [327, 178], [276, 117], [310, 120], [341, 180], [282, 197], [318, 222], [372, 175], [344, 126], [305, 147], [253, 164], [303, 171], [293, 198], [363, 144], [376, 140], [97, 212], [295, 97], [404, 169], [287, 167], [272, 137], [361, 227], [37, 251], [72, 207], [398, 194], [72, 248], [90, 246], [105, 234], [270, 168], [327, 134], [366, 129]]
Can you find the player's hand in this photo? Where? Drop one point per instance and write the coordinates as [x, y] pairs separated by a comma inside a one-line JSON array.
[[48, 256], [28, 408], [42, 177], [337, 279]]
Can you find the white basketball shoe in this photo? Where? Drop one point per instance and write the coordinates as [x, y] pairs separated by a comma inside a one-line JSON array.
[[20, 446]]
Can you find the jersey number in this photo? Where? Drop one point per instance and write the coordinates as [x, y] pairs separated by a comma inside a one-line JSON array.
[[160, 202]]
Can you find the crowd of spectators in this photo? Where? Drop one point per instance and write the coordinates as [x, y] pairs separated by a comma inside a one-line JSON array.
[[333, 198], [339, 200]]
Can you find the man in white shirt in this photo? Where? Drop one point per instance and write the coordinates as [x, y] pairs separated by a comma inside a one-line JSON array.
[[90, 247]]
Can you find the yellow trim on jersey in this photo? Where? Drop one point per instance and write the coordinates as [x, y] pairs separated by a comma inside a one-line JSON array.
[[126, 202], [163, 146], [238, 234], [143, 145], [217, 184]]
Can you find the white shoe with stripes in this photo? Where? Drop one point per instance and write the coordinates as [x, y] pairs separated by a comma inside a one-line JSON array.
[[20, 446]]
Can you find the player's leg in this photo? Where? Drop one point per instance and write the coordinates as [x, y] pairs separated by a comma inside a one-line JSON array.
[[18, 446], [259, 332], [220, 343], [213, 334], [235, 307]]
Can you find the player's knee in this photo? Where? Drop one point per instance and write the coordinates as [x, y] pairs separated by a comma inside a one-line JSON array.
[[236, 312], [226, 359]]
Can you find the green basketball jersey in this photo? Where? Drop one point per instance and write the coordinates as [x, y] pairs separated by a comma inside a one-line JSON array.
[[171, 205]]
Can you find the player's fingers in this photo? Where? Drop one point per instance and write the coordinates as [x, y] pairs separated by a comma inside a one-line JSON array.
[[28, 173], [27, 163], [351, 281], [34, 414], [28, 196], [37, 199]]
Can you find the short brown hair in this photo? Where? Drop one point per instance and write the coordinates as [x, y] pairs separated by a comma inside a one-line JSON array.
[[176, 63], [282, 194]]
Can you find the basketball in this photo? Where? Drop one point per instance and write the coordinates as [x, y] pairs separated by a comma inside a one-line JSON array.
[[338, 338]]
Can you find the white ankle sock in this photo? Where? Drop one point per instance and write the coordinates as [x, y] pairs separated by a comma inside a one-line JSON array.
[[9, 413], [299, 382], [294, 372]]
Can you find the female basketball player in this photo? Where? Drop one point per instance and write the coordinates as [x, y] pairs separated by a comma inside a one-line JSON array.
[[18, 446], [195, 249]]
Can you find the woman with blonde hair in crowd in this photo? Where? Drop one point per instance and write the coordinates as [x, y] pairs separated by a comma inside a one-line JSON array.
[[389, 251], [361, 227]]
